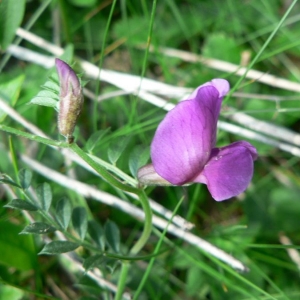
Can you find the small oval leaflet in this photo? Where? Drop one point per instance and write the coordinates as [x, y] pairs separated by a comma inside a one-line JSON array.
[[21, 204], [38, 228], [57, 247], [63, 212], [25, 177]]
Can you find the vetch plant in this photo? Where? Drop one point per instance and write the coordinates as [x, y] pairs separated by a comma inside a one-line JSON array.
[[70, 99], [183, 148]]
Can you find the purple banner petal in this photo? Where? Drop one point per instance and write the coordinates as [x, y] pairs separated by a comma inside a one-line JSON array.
[[184, 139]]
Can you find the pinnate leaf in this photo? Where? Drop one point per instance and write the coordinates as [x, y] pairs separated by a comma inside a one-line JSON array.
[[7, 180], [57, 247], [21, 204], [63, 212], [38, 228], [95, 139], [25, 177], [95, 231], [93, 261], [112, 235], [117, 148], [44, 195], [138, 158], [79, 221]]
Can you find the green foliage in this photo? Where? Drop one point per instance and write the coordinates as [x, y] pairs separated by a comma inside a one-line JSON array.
[[10, 90], [112, 235], [58, 247], [21, 204], [117, 132], [16, 251], [44, 196], [38, 228], [63, 212], [79, 221], [11, 15], [117, 148], [95, 140], [95, 231], [25, 177], [138, 158]]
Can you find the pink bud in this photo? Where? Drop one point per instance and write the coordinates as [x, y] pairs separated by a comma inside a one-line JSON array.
[[71, 99]]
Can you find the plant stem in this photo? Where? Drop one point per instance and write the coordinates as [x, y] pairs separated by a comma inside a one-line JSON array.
[[118, 184], [122, 280], [148, 223], [102, 171]]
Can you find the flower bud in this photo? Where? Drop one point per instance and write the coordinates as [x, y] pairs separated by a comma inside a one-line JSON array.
[[70, 99]]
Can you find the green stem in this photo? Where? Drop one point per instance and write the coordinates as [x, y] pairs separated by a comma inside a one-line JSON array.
[[102, 171], [147, 225], [122, 280], [118, 184]]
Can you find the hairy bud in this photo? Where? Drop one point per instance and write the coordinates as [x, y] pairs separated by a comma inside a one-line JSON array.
[[71, 99]]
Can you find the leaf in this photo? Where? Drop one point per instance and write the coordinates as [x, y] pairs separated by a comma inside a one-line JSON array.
[[57, 247], [93, 261], [117, 148], [111, 264], [63, 212], [38, 228], [95, 139], [21, 204], [138, 158], [83, 3], [11, 15], [112, 235], [16, 251], [45, 98], [79, 220], [10, 92], [95, 231], [5, 179], [44, 195], [25, 177]]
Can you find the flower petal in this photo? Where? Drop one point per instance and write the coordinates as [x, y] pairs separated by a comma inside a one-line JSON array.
[[184, 139], [221, 85], [229, 170]]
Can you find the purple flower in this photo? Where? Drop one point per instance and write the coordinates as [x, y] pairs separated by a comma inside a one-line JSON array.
[[71, 99], [183, 148]]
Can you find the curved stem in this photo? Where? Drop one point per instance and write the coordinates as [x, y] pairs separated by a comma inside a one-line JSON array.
[[120, 185], [147, 226]]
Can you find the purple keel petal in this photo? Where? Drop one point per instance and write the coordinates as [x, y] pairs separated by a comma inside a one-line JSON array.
[[184, 139], [229, 170]]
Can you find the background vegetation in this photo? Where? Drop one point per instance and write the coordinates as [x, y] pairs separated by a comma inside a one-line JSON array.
[[131, 37]]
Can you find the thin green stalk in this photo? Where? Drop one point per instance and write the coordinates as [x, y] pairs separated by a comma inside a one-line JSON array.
[[258, 55], [102, 171], [13, 158], [95, 106], [145, 60], [122, 280]]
